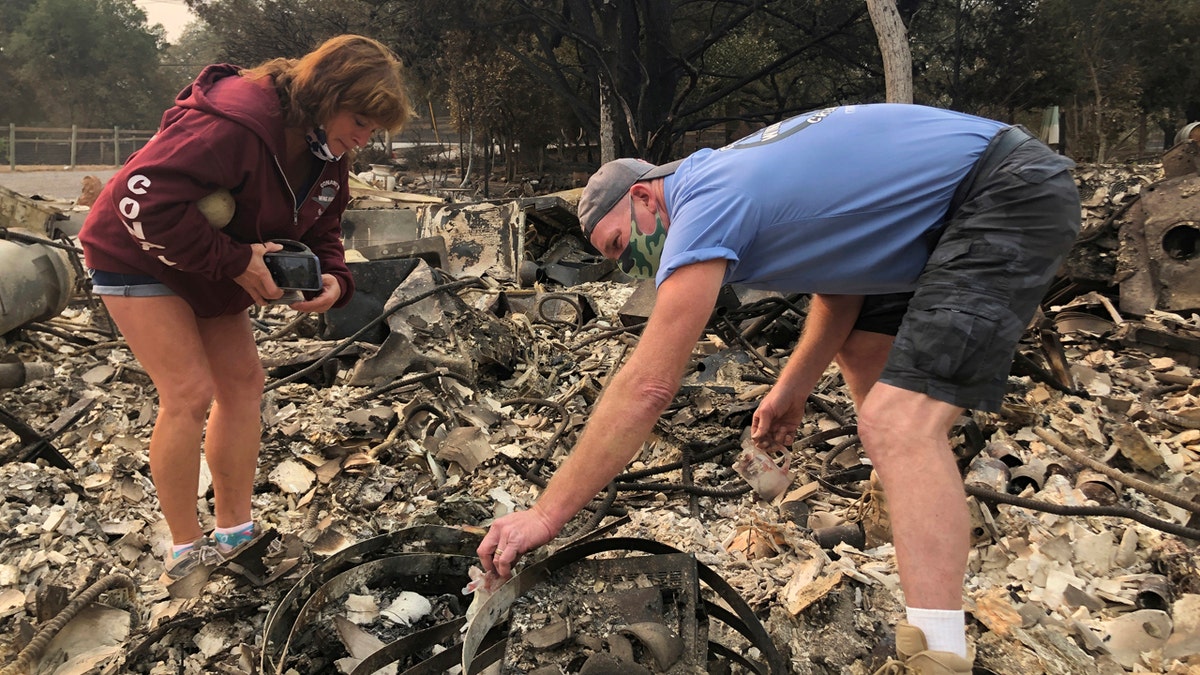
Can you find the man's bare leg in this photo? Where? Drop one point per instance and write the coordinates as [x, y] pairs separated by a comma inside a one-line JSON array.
[[861, 360], [906, 436]]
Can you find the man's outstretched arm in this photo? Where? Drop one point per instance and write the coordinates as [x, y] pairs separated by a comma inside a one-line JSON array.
[[622, 420]]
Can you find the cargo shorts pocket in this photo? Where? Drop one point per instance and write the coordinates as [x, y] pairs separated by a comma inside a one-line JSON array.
[[986, 263], [962, 338]]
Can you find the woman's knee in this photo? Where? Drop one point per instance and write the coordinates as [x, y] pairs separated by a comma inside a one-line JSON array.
[[186, 395], [243, 383]]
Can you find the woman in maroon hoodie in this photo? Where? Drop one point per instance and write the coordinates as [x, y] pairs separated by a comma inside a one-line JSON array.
[[277, 137]]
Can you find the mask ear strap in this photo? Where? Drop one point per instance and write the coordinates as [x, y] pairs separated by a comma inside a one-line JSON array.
[[318, 144]]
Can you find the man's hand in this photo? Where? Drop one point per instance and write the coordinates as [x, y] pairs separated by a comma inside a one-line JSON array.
[[829, 323], [509, 538], [331, 290], [776, 420], [256, 279]]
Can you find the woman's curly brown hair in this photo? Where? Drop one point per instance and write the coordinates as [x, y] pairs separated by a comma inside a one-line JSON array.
[[347, 72]]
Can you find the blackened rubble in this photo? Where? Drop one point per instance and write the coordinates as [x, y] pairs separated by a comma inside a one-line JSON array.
[[455, 406]]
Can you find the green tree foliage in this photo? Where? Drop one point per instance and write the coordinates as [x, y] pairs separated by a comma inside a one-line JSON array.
[[249, 32], [1093, 38], [489, 101], [1166, 45], [658, 69], [787, 58], [93, 63], [18, 105], [252, 31], [652, 73], [196, 48], [1130, 61], [986, 57]]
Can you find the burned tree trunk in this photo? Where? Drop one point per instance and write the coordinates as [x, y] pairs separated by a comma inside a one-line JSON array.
[[893, 46]]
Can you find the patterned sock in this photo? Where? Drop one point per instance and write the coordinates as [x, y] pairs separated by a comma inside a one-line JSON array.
[[229, 538], [944, 629], [180, 549]]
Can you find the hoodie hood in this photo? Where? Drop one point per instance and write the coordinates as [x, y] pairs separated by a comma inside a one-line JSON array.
[[220, 90]]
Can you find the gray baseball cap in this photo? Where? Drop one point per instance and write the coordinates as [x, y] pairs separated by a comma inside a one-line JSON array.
[[607, 186]]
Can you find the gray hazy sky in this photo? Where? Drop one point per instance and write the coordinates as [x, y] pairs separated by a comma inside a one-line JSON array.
[[172, 14]]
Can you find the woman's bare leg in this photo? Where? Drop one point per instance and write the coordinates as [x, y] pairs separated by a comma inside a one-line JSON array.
[[234, 426], [162, 333]]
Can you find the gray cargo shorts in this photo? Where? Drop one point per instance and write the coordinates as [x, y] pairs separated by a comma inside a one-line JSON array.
[[985, 278]]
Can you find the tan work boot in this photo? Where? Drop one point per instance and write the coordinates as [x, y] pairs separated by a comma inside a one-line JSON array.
[[915, 656], [873, 513]]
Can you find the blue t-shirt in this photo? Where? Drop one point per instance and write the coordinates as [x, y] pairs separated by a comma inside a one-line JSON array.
[[836, 201]]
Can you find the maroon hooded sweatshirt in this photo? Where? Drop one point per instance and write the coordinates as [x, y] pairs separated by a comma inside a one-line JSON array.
[[224, 131]]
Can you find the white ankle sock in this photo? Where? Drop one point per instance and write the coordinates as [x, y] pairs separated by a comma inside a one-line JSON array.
[[944, 629]]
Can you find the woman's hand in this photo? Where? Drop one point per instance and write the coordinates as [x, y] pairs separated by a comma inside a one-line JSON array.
[[256, 280], [331, 290]]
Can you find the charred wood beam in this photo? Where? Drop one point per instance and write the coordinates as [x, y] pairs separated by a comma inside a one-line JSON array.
[[35, 445]]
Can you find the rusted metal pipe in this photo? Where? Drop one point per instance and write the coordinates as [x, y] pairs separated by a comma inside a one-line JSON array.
[[1058, 444], [36, 284], [1154, 593], [13, 375]]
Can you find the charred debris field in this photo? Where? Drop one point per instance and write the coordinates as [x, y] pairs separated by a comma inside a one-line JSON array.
[[392, 437]]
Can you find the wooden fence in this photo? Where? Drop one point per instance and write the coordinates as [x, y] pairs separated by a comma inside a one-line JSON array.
[[71, 146]]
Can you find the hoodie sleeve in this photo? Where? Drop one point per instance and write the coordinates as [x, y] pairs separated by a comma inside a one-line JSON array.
[[156, 203], [325, 240]]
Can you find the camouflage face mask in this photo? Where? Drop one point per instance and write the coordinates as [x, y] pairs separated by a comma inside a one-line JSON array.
[[643, 254], [318, 143]]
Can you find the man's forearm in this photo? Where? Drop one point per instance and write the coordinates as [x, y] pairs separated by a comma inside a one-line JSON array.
[[638, 393], [829, 322], [614, 435]]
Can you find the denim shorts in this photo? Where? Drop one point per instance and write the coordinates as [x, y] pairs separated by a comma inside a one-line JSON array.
[[127, 285], [985, 279]]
